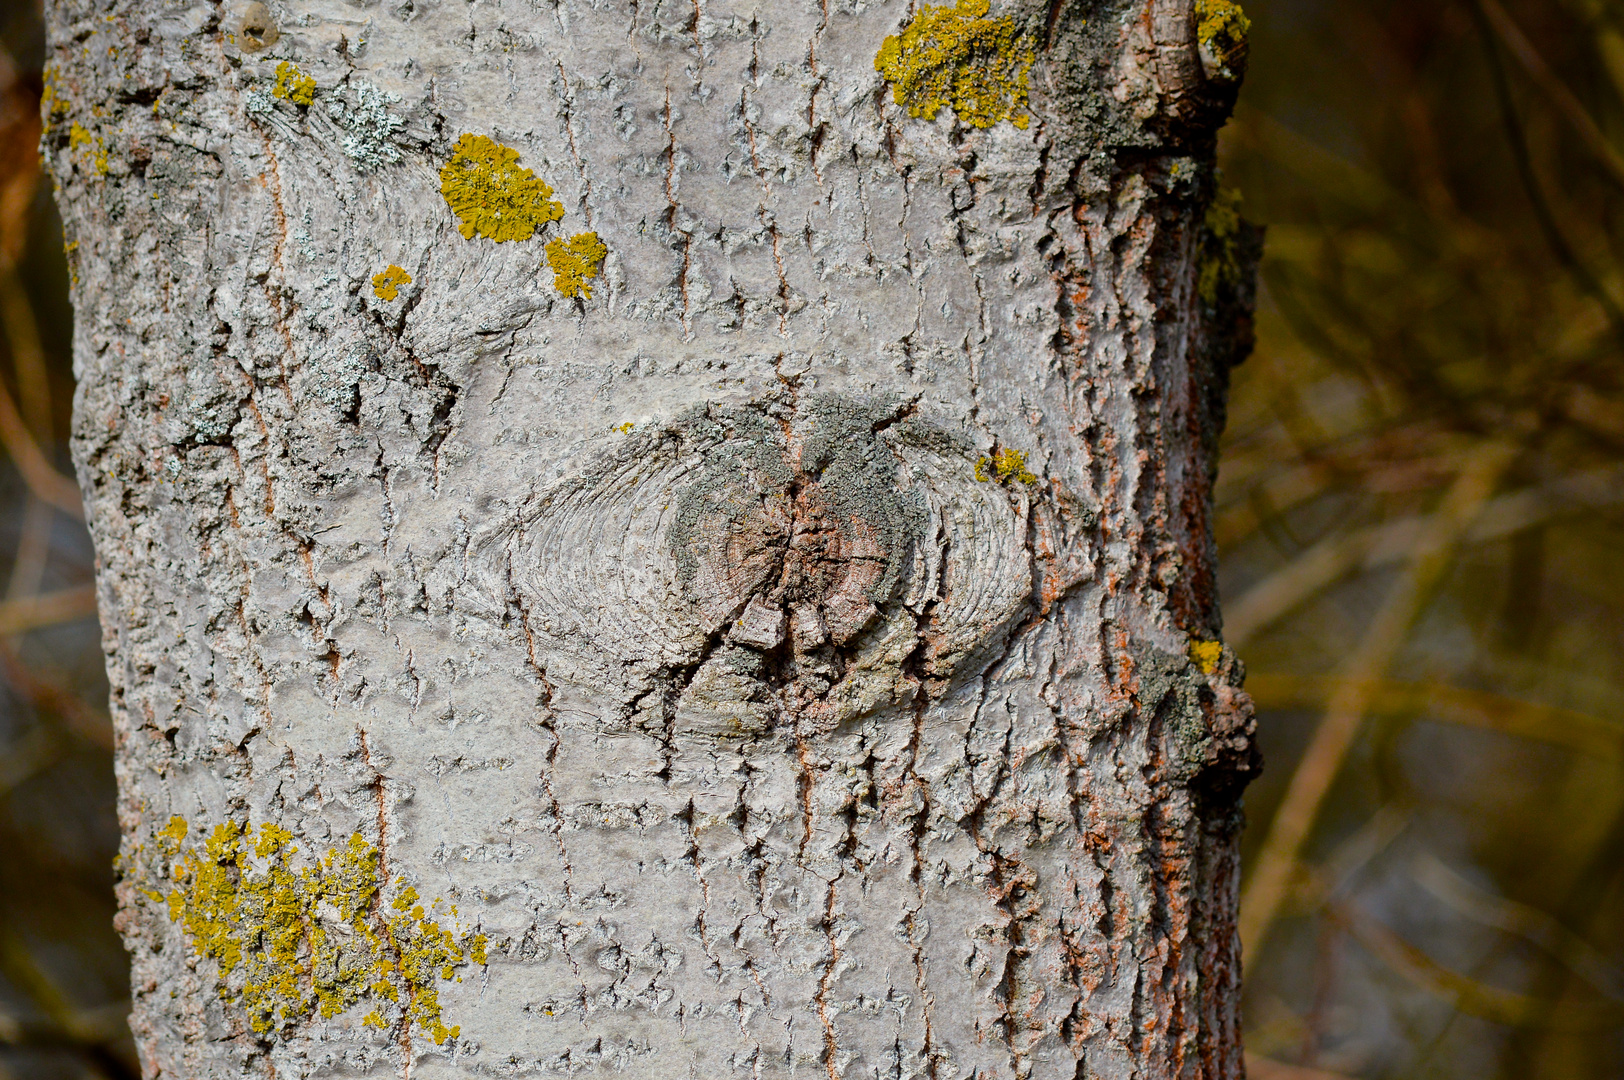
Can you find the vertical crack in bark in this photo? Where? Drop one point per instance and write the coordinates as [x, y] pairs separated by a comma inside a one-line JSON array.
[[672, 209], [566, 101], [762, 213], [916, 873], [831, 1044], [815, 128]]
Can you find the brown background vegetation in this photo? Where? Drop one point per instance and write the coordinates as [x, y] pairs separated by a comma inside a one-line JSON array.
[[1420, 526]]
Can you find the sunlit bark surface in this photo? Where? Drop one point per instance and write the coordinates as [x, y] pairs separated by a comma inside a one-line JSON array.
[[792, 659]]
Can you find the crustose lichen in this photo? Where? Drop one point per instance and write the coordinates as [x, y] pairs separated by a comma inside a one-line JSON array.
[[1004, 466], [1221, 32], [291, 941], [576, 262], [79, 137], [1205, 655], [957, 57], [492, 195], [293, 85], [386, 285]]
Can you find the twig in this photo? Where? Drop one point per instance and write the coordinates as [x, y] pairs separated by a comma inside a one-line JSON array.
[[46, 609], [27, 354], [33, 550], [1594, 736], [42, 479], [1555, 239], [83, 722], [1271, 877], [1262, 1068], [1380, 545], [1529, 923], [1468, 995], [1568, 106]]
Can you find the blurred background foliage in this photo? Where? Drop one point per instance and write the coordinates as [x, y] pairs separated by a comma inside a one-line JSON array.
[[1420, 531], [1420, 520]]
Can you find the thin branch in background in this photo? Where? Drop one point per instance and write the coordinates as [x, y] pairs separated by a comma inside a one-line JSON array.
[[82, 1026], [1528, 923], [1262, 1068], [85, 723], [1594, 736], [46, 609], [27, 354], [33, 550], [1555, 239], [1327, 962], [42, 479], [1567, 106], [1348, 551], [1467, 995], [1293, 821]]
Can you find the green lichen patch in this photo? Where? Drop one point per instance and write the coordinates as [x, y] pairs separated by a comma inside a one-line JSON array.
[[1220, 264], [293, 85], [1004, 466], [292, 941], [575, 262], [959, 58], [386, 285], [1221, 30], [492, 195]]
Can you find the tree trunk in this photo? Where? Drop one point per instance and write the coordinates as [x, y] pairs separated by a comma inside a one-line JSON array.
[[750, 613]]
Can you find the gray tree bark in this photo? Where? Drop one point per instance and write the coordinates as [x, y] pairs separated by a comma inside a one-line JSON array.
[[793, 654]]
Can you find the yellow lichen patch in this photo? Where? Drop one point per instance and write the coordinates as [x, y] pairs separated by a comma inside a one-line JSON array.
[[53, 106], [1221, 30], [575, 262], [386, 285], [80, 138], [1206, 654], [291, 941], [293, 85], [958, 57], [1220, 263], [492, 195], [1004, 466]]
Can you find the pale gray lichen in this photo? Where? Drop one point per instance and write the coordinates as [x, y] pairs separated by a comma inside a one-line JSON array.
[[337, 386], [210, 423], [259, 101], [369, 125]]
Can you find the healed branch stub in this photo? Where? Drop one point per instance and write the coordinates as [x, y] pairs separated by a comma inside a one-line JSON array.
[[663, 539]]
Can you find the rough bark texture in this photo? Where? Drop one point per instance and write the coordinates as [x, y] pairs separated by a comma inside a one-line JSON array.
[[786, 659]]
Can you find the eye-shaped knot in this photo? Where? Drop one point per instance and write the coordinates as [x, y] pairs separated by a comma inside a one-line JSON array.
[[801, 539]]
